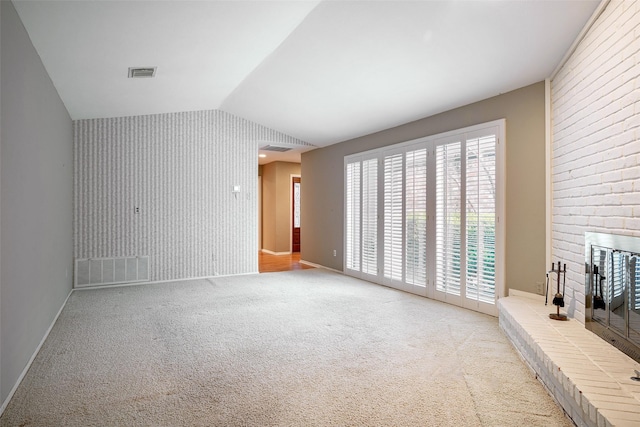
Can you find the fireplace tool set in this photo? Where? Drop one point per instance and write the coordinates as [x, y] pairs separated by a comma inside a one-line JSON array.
[[558, 299]]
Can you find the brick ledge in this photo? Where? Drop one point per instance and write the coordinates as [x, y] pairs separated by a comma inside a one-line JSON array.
[[587, 376]]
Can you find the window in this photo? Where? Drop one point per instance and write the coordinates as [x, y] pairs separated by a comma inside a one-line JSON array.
[[370, 216], [415, 218], [361, 208], [393, 239], [481, 218], [296, 205], [352, 207], [448, 217], [424, 216]]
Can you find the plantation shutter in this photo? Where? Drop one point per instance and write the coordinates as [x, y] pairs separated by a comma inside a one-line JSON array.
[[352, 202], [393, 240], [370, 216], [481, 219], [424, 216], [416, 217], [448, 217]]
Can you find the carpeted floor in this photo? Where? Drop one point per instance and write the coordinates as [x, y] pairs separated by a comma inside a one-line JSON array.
[[301, 348]]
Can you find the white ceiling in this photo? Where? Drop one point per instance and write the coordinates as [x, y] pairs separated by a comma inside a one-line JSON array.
[[321, 71]]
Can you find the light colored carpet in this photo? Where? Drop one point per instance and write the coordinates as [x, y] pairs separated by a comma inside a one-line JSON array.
[[301, 348]]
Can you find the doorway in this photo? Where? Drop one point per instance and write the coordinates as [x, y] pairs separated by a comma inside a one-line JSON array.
[[295, 213], [278, 206]]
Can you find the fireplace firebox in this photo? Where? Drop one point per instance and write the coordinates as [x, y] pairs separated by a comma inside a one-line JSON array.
[[612, 290]]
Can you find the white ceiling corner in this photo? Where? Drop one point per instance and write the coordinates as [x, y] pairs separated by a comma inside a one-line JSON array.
[[320, 71], [203, 50]]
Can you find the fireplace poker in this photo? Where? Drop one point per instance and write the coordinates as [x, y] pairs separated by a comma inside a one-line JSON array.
[[546, 293], [564, 280]]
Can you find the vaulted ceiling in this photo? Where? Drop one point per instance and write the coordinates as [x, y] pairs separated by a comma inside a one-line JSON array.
[[322, 71]]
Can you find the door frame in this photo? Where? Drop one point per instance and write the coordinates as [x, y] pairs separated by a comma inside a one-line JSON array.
[[259, 213], [291, 176]]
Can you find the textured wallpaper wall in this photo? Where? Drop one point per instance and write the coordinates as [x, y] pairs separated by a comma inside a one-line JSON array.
[[178, 170]]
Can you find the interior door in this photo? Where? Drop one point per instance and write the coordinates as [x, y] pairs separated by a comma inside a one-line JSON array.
[[295, 203]]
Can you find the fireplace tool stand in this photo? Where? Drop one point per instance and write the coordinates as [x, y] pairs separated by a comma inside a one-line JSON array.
[[558, 299]]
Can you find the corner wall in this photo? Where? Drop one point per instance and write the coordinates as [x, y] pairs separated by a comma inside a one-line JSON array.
[[596, 146], [36, 183], [524, 111], [179, 169]]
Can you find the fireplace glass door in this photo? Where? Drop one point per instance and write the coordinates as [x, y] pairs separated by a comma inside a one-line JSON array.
[[613, 290], [611, 280]]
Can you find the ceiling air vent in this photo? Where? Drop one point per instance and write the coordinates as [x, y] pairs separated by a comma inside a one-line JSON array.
[[278, 148], [137, 72]]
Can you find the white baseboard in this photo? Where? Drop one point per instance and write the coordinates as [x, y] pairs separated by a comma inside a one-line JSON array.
[[33, 357], [320, 266], [267, 251]]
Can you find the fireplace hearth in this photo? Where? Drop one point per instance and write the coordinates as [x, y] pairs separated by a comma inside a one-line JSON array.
[[612, 290]]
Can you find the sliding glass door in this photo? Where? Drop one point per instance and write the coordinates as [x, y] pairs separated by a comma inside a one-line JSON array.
[[404, 235], [466, 220], [449, 221], [480, 220], [424, 216], [415, 217]]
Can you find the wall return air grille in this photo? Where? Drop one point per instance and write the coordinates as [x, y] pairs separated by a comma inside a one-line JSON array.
[[278, 148], [111, 271], [141, 72]]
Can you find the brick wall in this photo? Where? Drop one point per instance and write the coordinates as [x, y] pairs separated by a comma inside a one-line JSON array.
[[596, 146]]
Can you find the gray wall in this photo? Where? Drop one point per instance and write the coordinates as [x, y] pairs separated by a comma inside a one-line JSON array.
[[524, 111], [36, 200], [179, 169]]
